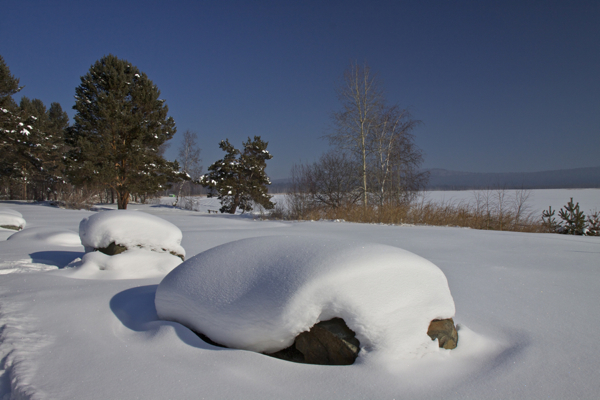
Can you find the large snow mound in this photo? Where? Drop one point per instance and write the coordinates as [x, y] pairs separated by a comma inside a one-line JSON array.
[[10, 217], [130, 229], [260, 293]]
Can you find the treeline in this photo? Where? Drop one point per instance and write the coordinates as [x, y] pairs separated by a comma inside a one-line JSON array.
[[113, 151]]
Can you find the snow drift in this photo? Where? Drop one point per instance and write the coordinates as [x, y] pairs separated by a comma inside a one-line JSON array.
[[258, 294]]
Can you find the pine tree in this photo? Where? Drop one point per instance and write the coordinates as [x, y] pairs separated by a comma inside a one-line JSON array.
[[593, 224], [549, 221], [119, 127], [12, 128], [239, 179], [46, 146], [574, 219]]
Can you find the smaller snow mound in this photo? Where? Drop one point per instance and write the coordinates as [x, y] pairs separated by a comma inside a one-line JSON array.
[[132, 264], [131, 229], [11, 219], [48, 235], [259, 294]]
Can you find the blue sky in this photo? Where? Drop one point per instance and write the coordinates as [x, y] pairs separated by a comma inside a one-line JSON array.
[[500, 86]]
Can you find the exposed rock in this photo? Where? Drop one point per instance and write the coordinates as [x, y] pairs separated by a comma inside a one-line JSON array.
[[13, 227], [113, 249], [445, 332], [327, 343]]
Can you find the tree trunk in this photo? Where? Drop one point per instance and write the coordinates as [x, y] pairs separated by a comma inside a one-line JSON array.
[[122, 199]]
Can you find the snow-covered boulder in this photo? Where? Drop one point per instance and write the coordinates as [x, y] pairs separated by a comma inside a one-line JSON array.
[[125, 244], [11, 219], [260, 293], [130, 229]]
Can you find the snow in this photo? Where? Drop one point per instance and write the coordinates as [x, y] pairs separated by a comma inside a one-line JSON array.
[[130, 229], [539, 199], [131, 264], [153, 246], [260, 293], [9, 217], [525, 305]]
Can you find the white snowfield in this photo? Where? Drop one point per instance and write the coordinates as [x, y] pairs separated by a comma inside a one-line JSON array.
[[526, 305], [9, 217], [260, 293]]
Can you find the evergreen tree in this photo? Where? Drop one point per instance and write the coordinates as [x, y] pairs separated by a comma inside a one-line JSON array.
[[593, 224], [119, 128], [32, 142], [574, 219], [46, 146], [12, 128], [550, 222], [239, 179]]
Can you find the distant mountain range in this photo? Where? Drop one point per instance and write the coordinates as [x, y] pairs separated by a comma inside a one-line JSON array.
[[442, 179]]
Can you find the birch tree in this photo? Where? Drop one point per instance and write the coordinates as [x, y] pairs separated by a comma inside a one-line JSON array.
[[362, 101]]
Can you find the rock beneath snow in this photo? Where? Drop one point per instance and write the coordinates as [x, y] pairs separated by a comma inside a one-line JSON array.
[[261, 294], [445, 332], [127, 245], [326, 343], [11, 219], [112, 232], [112, 249]]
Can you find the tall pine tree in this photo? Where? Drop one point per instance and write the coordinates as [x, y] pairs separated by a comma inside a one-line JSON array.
[[239, 179], [46, 146], [119, 127], [12, 128]]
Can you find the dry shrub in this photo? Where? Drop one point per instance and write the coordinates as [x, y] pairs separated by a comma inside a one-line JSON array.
[[493, 210], [82, 198]]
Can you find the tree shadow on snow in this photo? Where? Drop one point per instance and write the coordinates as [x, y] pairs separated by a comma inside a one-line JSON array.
[[135, 309], [55, 257]]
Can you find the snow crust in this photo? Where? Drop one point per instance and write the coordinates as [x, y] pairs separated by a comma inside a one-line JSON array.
[[12, 218], [260, 293], [130, 229]]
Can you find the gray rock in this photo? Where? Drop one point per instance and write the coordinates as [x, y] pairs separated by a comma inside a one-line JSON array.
[[445, 332], [12, 227], [113, 249], [326, 343]]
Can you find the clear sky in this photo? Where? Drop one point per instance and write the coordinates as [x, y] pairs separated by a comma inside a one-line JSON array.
[[501, 86]]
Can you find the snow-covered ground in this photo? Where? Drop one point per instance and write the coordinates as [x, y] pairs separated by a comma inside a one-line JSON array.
[[525, 304]]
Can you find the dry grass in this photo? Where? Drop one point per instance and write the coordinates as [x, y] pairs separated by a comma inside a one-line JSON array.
[[491, 210]]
